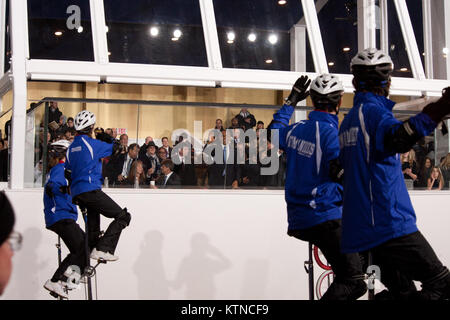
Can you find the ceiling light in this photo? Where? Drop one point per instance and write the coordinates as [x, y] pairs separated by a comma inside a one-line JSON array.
[[80, 29], [177, 33], [445, 51], [273, 39], [58, 33], [231, 36], [107, 29], [252, 37], [269, 61], [331, 64], [282, 2], [404, 69], [346, 49], [154, 31]]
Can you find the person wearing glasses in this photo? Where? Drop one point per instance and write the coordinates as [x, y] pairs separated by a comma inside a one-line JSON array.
[[9, 241], [61, 217]]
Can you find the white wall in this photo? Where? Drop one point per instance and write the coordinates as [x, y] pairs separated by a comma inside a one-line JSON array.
[[242, 250]]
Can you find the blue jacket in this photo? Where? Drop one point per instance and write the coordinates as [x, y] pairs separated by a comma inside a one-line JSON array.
[[59, 206], [84, 159], [377, 206], [311, 196]]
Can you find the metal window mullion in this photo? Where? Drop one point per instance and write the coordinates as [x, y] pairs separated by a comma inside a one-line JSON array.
[[315, 36], [384, 31], [428, 38], [410, 39], [2, 35], [447, 34], [210, 34], [99, 37], [18, 14], [367, 36]]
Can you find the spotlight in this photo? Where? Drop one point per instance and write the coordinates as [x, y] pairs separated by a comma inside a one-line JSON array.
[[252, 37], [154, 31], [273, 39], [231, 36]]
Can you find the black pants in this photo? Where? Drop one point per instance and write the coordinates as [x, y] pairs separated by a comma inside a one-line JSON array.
[[97, 202], [327, 236], [72, 235], [407, 258]]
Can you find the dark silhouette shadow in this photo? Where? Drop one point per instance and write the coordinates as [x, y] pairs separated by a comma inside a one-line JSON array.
[[197, 270], [149, 269]]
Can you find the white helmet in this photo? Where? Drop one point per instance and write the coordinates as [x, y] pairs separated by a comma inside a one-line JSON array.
[[326, 89], [372, 64], [83, 120], [59, 148]]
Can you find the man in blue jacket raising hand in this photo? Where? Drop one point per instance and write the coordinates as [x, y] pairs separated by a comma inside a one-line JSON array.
[[84, 165], [313, 197], [378, 215]]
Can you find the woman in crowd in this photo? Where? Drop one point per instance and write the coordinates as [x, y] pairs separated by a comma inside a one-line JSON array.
[[445, 170], [424, 174], [409, 166], [136, 173], [435, 181]]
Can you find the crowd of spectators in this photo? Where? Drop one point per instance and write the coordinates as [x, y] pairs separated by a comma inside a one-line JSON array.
[[157, 166]]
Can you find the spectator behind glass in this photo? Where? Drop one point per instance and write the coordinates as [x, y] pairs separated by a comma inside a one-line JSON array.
[[424, 174], [445, 170], [162, 154], [235, 124], [165, 142], [435, 181], [54, 114], [219, 125], [259, 125], [409, 166], [246, 119], [137, 170], [123, 140], [70, 122]]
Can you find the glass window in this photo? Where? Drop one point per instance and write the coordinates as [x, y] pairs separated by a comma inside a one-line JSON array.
[[397, 47], [338, 25], [156, 32], [7, 61], [416, 15], [257, 34], [60, 30]]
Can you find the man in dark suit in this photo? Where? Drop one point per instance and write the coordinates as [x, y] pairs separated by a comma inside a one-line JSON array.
[[165, 142], [119, 167], [185, 167], [168, 179], [227, 173], [151, 162]]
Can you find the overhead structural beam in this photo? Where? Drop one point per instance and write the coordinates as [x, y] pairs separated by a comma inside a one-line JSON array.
[[99, 36], [2, 35], [319, 6], [410, 40], [210, 34], [384, 26], [367, 36], [428, 39], [315, 36]]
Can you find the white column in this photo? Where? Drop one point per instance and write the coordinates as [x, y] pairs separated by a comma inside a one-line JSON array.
[[367, 36], [384, 30], [315, 36], [19, 37], [210, 34], [410, 40], [99, 37], [428, 38], [298, 60], [447, 34]]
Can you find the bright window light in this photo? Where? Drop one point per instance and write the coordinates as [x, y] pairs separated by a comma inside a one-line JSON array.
[[154, 31], [273, 38], [252, 37]]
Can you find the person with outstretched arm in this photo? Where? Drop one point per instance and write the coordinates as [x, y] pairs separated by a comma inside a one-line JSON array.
[[313, 197]]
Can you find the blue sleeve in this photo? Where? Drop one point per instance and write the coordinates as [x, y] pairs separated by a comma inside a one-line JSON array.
[[378, 121], [281, 122], [103, 149], [423, 123]]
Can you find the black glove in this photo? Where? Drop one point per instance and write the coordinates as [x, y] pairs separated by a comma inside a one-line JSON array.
[[105, 137], [336, 172], [439, 109], [64, 189], [299, 91], [48, 190], [68, 176]]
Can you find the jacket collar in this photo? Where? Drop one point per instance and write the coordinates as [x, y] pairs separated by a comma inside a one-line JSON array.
[[361, 97], [324, 116]]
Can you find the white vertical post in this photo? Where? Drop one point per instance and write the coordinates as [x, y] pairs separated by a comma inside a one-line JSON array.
[[2, 36], [428, 38], [447, 34], [18, 9], [99, 37], [315, 36], [410, 40], [367, 36], [210, 34], [384, 30], [298, 60]]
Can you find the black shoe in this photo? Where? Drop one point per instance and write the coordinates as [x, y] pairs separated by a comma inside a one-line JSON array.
[[345, 291]]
